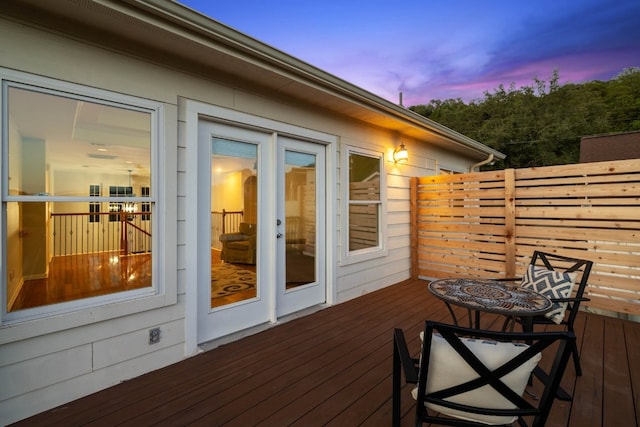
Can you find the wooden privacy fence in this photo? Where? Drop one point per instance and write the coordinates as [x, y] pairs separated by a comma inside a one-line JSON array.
[[488, 224]]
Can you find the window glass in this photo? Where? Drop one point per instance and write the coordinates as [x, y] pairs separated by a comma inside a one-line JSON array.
[[300, 222], [364, 201], [76, 169], [94, 191], [234, 219], [56, 142]]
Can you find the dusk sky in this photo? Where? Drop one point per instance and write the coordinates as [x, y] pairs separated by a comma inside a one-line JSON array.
[[443, 49]]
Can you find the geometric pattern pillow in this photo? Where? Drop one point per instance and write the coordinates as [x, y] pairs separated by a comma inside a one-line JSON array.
[[552, 284]]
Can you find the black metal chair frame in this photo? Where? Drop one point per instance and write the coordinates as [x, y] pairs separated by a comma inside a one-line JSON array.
[[550, 262], [403, 363]]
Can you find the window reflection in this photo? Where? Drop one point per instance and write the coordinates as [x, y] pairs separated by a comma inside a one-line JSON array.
[[57, 143], [300, 218], [62, 251], [234, 221], [364, 201]]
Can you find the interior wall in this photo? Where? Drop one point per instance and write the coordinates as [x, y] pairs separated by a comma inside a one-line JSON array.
[[227, 194], [14, 241], [33, 216]]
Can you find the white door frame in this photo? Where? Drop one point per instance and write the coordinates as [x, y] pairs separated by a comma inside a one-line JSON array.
[[189, 113]]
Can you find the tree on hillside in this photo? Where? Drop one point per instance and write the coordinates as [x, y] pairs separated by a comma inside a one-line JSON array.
[[542, 124]]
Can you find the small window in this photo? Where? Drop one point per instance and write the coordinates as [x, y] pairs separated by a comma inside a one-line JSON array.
[[145, 207], [58, 144], [94, 207], [121, 208], [448, 171], [365, 225]]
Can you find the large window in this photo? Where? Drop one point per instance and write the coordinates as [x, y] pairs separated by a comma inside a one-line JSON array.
[[65, 247], [365, 205]]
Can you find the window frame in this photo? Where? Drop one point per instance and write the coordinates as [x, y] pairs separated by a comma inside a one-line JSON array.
[[381, 250], [94, 207], [162, 291]]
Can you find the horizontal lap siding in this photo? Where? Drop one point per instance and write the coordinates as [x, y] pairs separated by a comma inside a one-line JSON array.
[[487, 224]]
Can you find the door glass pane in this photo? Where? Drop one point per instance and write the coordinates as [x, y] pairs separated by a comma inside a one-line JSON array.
[[300, 218], [234, 218]]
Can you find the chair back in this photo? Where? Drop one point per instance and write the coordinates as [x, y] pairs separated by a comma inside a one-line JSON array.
[[582, 267], [479, 377], [247, 229]]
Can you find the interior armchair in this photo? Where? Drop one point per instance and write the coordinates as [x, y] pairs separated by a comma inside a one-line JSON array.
[[240, 247]]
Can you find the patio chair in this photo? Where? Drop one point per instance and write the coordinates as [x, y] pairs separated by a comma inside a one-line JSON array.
[[480, 380], [555, 277]]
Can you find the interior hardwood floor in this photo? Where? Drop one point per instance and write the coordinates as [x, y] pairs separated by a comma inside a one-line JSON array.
[[74, 277], [230, 299]]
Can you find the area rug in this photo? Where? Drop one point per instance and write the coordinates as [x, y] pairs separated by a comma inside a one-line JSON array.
[[228, 279]]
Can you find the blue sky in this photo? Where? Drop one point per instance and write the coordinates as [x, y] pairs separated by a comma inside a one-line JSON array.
[[444, 49]]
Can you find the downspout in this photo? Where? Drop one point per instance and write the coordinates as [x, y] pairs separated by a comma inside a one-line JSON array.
[[489, 159]]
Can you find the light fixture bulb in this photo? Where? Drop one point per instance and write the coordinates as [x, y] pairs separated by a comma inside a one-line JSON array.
[[400, 155]]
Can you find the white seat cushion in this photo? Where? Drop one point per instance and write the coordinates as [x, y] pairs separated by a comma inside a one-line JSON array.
[[552, 284], [447, 369]]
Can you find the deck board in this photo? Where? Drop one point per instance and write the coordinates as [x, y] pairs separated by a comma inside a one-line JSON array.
[[617, 408], [587, 396], [333, 367], [632, 338]]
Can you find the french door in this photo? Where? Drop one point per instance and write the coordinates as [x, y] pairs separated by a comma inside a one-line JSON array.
[[264, 256], [301, 243]]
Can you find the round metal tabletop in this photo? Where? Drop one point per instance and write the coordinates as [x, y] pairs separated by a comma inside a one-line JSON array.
[[491, 296]]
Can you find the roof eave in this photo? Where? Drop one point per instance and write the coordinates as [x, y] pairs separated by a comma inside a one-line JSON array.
[[332, 83], [166, 24]]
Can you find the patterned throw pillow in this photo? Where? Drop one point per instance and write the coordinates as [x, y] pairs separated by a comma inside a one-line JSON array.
[[552, 284]]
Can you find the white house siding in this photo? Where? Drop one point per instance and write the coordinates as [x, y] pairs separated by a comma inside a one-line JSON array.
[[45, 363]]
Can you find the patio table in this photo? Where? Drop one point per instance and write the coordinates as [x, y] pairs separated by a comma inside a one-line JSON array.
[[491, 296], [495, 296]]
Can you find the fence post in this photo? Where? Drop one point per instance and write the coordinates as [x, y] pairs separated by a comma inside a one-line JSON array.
[[510, 222], [413, 239]]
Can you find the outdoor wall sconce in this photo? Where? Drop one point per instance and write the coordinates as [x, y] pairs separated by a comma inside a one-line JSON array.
[[400, 155]]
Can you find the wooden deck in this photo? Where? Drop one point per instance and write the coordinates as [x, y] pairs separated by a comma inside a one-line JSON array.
[[333, 367]]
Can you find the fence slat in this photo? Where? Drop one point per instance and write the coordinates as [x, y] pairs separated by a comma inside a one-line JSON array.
[[487, 224]]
